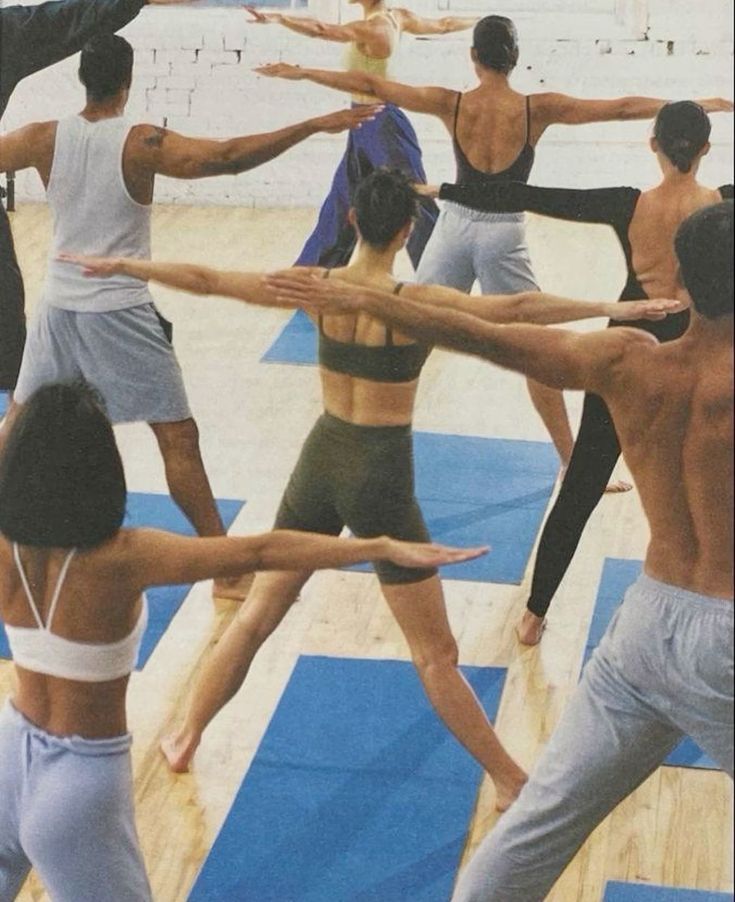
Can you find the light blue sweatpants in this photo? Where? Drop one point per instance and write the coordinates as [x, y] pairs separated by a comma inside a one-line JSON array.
[[663, 670], [66, 809], [471, 245]]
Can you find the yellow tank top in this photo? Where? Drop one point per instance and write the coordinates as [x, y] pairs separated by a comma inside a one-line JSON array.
[[357, 61]]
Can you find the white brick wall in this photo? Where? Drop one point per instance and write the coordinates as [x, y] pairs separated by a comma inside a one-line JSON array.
[[194, 73]]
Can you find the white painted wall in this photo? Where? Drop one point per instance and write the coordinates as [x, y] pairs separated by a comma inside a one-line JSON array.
[[194, 74]]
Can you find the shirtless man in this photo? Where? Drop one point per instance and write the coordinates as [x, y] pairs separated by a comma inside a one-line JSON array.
[[665, 666], [110, 333]]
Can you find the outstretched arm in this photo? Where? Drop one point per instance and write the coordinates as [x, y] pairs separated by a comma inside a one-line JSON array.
[[203, 280], [161, 151], [161, 558], [359, 31], [436, 101], [24, 148], [418, 25], [551, 108]]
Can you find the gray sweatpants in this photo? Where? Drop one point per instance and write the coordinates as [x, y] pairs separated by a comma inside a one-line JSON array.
[[470, 245], [66, 809], [663, 670]]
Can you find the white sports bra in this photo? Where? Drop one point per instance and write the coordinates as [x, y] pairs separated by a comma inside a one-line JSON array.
[[40, 650]]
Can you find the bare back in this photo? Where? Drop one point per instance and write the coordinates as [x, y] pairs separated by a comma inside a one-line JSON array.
[[491, 127], [362, 401], [673, 410], [96, 605], [658, 215]]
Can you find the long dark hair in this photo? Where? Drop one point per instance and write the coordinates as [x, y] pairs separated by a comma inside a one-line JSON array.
[[62, 483]]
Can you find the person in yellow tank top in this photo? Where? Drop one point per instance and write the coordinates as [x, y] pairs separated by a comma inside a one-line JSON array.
[[387, 140]]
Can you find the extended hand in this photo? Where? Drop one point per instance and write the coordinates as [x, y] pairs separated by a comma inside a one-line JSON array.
[[627, 311], [314, 293], [93, 266], [281, 70], [426, 190], [260, 18], [344, 119], [716, 105], [415, 554]]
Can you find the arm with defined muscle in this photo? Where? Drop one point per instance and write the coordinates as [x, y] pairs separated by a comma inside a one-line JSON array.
[[432, 100], [420, 25], [160, 558], [360, 32], [164, 152]]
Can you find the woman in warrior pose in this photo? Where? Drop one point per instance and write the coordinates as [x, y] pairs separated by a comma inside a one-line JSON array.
[[356, 468], [71, 584], [494, 131], [388, 140], [645, 223]]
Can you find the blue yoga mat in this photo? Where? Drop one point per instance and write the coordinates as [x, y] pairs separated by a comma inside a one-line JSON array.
[[357, 792], [617, 576], [295, 344], [484, 491], [159, 512], [616, 891]]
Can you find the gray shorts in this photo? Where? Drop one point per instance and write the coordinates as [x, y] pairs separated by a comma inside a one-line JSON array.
[[124, 354], [67, 811], [469, 246]]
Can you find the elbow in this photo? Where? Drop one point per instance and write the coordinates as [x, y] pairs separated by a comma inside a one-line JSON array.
[[203, 280]]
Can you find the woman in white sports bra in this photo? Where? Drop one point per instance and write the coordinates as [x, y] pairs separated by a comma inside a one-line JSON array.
[[387, 140], [72, 603]]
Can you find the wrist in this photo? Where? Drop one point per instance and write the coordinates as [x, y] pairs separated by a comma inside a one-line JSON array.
[[379, 548]]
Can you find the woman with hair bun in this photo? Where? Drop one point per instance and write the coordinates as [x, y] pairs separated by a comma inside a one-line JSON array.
[[645, 223], [494, 132], [356, 466]]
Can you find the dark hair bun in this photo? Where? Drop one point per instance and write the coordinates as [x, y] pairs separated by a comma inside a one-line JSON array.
[[495, 42], [682, 129], [384, 203]]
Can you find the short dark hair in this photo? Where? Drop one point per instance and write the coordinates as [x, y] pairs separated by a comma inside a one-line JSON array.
[[704, 247], [495, 42], [682, 129], [384, 203], [62, 483], [106, 66]]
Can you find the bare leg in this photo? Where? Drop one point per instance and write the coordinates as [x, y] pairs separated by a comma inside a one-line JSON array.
[[225, 669], [189, 486], [549, 404], [422, 615]]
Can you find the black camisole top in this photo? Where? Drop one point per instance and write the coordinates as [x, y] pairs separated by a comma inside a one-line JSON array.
[[376, 363], [518, 171]]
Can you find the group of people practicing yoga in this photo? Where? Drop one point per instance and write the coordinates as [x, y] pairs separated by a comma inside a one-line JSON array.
[[659, 388]]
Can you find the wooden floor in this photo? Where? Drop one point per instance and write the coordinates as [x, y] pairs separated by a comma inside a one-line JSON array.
[[674, 830]]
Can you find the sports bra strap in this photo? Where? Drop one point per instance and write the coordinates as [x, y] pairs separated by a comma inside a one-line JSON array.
[[320, 318], [456, 112], [57, 589], [528, 117], [397, 288]]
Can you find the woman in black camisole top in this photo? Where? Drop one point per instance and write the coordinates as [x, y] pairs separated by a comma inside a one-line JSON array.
[[494, 131]]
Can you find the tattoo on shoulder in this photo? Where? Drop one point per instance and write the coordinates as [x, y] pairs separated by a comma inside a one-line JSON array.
[[156, 137]]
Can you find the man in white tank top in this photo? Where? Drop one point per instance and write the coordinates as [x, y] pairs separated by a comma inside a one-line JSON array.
[[99, 172]]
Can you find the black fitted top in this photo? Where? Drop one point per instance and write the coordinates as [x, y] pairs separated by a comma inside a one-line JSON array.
[[612, 206], [518, 171], [376, 363]]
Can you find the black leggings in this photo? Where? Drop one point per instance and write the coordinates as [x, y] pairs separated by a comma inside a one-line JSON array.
[[12, 308], [596, 451]]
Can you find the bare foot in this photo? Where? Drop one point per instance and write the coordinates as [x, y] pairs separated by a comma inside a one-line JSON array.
[[178, 749], [618, 487], [530, 629], [506, 792], [236, 588]]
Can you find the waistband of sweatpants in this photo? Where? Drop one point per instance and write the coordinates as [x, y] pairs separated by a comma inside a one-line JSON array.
[[481, 215], [361, 433], [658, 591], [77, 745]]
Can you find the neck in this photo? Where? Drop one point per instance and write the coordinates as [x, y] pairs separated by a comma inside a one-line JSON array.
[[103, 109], [370, 8], [675, 177], [491, 78], [715, 333], [374, 260]]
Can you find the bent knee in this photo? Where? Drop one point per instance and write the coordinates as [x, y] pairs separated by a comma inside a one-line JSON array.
[[440, 656]]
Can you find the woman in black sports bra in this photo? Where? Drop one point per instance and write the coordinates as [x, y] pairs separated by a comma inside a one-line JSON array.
[[494, 130], [356, 467], [645, 223]]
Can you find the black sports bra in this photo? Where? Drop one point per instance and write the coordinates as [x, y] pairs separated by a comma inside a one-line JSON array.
[[376, 363], [518, 171]]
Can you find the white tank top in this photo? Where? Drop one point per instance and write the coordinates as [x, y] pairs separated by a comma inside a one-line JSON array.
[[40, 650], [93, 213]]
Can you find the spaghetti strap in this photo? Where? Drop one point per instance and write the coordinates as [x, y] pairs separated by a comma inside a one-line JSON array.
[[388, 330], [24, 580], [456, 113], [528, 117], [57, 590]]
